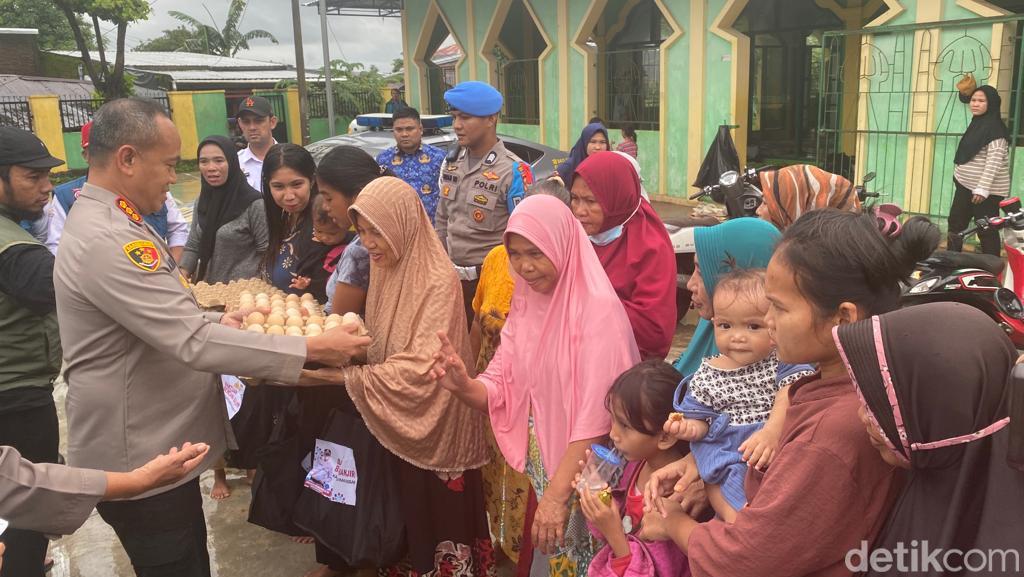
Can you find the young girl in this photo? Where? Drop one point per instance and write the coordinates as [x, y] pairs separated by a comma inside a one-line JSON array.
[[729, 399], [314, 272], [639, 400]]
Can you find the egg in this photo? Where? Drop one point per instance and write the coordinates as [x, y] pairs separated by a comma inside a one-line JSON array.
[[307, 297], [313, 330], [289, 313], [331, 325], [290, 305], [255, 318], [334, 318], [262, 296], [275, 319], [294, 322], [315, 320], [292, 298], [255, 328], [275, 330], [293, 331]]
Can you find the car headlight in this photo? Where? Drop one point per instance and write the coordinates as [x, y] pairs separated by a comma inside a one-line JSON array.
[[923, 286]]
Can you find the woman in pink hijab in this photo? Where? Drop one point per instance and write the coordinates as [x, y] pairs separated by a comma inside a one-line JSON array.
[[566, 340]]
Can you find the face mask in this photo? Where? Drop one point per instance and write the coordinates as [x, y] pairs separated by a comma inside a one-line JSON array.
[[612, 234]]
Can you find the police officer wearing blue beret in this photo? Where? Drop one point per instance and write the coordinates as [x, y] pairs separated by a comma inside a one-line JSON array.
[[480, 184]]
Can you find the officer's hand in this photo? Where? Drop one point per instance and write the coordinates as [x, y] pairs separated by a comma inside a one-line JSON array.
[[234, 319], [337, 346], [322, 376]]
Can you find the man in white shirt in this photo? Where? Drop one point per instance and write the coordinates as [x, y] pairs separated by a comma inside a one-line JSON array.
[[256, 120]]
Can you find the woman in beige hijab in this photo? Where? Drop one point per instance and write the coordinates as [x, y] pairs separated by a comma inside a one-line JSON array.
[[414, 293]]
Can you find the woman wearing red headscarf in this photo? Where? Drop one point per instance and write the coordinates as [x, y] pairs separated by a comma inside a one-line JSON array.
[[632, 244]]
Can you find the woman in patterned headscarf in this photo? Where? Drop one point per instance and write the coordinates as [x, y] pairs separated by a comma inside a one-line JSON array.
[[793, 190]]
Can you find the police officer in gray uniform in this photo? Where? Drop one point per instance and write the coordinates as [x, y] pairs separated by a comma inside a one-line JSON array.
[[480, 184], [140, 354]]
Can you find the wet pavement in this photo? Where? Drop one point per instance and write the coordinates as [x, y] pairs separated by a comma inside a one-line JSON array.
[[237, 548]]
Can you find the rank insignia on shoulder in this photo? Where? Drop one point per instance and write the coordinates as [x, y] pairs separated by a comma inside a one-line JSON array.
[[143, 254], [490, 175], [126, 207], [491, 158]]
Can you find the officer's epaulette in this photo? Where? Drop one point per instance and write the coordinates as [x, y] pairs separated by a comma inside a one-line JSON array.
[[126, 207]]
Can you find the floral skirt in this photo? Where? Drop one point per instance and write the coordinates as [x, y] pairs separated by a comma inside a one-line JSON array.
[[445, 524], [505, 495], [574, 558]]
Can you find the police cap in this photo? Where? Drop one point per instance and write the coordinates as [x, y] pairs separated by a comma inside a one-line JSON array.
[[475, 98]]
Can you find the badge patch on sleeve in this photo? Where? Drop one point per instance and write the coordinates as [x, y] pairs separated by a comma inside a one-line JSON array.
[[143, 254]]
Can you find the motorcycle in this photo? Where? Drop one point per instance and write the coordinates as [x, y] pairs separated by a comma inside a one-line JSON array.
[[741, 194], [974, 279]]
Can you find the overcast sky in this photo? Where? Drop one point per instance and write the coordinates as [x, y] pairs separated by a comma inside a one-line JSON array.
[[366, 40]]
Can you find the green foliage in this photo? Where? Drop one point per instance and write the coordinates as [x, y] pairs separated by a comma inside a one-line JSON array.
[[180, 39], [226, 42], [43, 15]]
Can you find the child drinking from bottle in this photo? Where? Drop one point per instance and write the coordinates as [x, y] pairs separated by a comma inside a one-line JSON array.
[[639, 401], [735, 403]]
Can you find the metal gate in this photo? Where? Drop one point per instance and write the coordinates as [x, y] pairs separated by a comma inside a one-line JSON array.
[[889, 103]]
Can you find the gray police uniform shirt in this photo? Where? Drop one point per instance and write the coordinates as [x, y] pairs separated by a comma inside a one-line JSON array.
[[47, 498], [140, 355], [473, 210]]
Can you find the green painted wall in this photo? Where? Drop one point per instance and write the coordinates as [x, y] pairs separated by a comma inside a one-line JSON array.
[[415, 13], [73, 148], [578, 112], [211, 114], [677, 109], [455, 13], [526, 131], [547, 14], [482, 12], [318, 127]]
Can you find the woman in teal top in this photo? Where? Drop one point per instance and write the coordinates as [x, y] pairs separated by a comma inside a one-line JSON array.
[[735, 244]]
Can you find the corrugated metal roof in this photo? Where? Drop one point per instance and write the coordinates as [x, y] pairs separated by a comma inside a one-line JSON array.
[[226, 76], [161, 61], [14, 85]]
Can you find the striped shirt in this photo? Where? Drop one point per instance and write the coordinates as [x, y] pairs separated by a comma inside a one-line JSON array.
[[988, 172], [628, 146]]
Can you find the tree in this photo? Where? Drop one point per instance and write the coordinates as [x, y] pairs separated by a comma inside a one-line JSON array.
[[397, 65], [226, 42], [180, 39], [109, 80], [54, 32]]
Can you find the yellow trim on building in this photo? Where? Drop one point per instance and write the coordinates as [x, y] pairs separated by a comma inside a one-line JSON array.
[[471, 49], [920, 149], [294, 117], [563, 74], [663, 97], [579, 43], [462, 45], [491, 39], [695, 114], [895, 8], [183, 113], [46, 124], [739, 96]]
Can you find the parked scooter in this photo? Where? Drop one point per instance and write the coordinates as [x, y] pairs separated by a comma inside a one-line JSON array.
[[974, 279]]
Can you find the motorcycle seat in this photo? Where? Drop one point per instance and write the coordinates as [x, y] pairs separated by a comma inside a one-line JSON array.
[[954, 260]]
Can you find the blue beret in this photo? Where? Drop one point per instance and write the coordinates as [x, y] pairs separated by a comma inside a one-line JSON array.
[[473, 97]]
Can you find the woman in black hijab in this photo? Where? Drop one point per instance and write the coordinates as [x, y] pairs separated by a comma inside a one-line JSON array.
[[229, 217], [941, 410], [981, 173]]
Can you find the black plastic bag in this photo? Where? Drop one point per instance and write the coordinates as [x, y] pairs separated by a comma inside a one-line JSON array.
[[370, 533], [721, 157]]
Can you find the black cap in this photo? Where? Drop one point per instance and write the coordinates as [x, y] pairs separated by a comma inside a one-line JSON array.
[[257, 105], [22, 148]]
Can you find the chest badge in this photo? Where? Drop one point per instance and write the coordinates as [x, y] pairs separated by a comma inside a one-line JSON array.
[[396, 161], [424, 159], [445, 190], [491, 158], [451, 167], [143, 254], [480, 199], [126, 207], [425, 189], [478, 215], [490, 175]]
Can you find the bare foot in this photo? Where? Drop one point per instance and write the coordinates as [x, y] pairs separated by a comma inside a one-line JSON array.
[[221, 489], [305, 540], [323, 571]]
